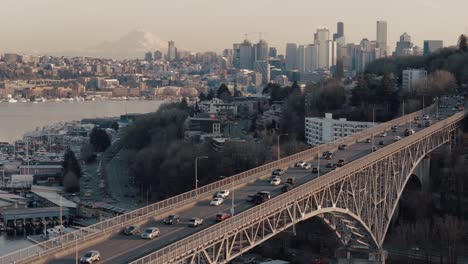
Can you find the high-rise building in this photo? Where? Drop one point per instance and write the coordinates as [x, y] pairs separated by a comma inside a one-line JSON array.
[[326, 48], [272, 53], [339, 31], [311, 58], [263, 67], [291, 55], [157, 55], [148, 56], [300, 59], [432, 45], [382, 37], [236, 55], [171, 51], [261, 51], [404, 47], [246, 55]]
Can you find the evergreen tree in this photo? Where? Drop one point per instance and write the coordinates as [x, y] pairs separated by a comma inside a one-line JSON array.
[[99, 139], [223, 91], [462, 43], [202, 97], [70, 164], [210, 95]]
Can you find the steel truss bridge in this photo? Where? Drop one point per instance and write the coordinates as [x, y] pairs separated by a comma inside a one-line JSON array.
[[357, 201]]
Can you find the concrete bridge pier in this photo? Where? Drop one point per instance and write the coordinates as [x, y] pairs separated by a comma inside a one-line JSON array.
[[422, 171]]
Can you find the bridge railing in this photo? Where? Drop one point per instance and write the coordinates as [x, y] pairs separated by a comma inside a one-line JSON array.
[[252, 215], [115, 224]]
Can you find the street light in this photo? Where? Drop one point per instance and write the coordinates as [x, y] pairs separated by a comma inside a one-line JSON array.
[[76, 247], [196, 173], [279, 144], [232, 190]]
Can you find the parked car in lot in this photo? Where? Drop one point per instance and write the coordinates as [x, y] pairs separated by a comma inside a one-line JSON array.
[[315, 169], [150, 233], [343, 147], [222, 194], [278, 172], [90, 257], [131, 230], [275, 181], [286, 188], [194, 222], [217, 201], [222, 216], [172, 219], [299, 164]]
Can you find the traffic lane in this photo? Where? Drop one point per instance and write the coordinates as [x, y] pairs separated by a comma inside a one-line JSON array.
[[137, 245]]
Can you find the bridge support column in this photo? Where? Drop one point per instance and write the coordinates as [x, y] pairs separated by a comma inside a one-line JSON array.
[[378, 257]]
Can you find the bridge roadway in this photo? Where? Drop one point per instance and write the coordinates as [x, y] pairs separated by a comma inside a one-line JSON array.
[[124, 249]]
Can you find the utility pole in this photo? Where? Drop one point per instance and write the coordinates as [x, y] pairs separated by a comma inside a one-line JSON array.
[[196, 173]]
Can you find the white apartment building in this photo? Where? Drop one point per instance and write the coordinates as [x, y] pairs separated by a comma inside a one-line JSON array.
[[412, 77], [320, 130]]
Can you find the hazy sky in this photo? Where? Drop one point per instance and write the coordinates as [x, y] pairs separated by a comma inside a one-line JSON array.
[[200, 25]]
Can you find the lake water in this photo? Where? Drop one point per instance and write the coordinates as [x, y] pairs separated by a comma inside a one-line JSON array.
[[18, 118]]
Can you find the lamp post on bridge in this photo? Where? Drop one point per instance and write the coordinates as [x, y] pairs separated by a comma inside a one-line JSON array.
[[279, 144], [196, 173]]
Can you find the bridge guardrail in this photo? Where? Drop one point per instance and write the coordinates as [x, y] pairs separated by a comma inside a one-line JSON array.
[[162, 207], [251, 215]]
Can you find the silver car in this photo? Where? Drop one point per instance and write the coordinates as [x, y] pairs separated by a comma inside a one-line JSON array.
[[90, 257]]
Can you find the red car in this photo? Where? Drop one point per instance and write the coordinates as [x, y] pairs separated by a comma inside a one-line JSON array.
[[222, 216]]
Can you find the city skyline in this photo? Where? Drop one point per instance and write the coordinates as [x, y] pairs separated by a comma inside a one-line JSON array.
[[55, 28]]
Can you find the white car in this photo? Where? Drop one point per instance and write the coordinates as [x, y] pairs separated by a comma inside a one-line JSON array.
[[275, 181], [194, 222], [299, 164], [397, 138], [307, 166], [150, 233], [222, 194], [217, 201], [384, 134], [426, 117], [90, 257]]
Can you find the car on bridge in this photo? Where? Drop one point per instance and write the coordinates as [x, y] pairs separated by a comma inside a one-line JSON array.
[[394, 128], [307, 166], [368, 140], [427, 123], [315, 169], [222, 194], [426, 117], [194, 222], [343, 147], [299, 164], [131, 230], [90, 257], [381, 143], [409, 132], [291, 181], [150, 233], [222, 216], [278, 172], [397, 138], [217, 201], [340, 163], [286, 188], [262, 197], [275, 181], [172, 219]]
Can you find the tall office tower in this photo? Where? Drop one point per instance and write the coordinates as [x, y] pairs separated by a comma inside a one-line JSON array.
[[404, 47], [272, 53], [321, 40], [246, 55], [339, 31], [157, 55], [300, 59], [382, 37], [171, 51], [291, 55], [311, 58], [263, 67], [261, 51], [236, 55], [148, 56], [432, 45]]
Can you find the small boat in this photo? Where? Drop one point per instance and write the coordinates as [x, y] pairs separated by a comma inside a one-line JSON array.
[[12, 100]]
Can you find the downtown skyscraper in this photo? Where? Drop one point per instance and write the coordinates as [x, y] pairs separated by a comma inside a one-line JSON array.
[[382, 38]]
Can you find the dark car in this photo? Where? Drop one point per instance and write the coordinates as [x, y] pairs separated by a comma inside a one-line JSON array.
[[315, 170], [343, 147], [278, 172], [340, 163], [222, 216], [291, 181], [172, 219], [251, 198], [328, 154], [131, 230], [261, 197], [286, 188], [427, 123], [381, 143], [330, 165]]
